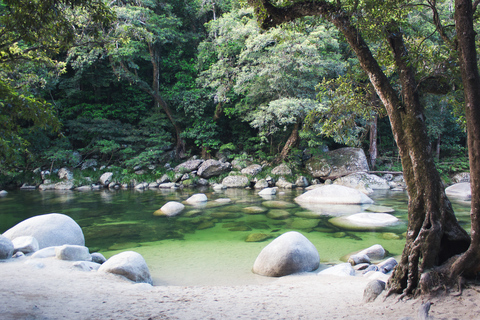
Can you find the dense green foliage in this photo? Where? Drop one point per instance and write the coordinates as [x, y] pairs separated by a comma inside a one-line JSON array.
[[131, 82]]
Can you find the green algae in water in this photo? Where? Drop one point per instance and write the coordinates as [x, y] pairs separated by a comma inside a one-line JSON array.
[[196, 248]]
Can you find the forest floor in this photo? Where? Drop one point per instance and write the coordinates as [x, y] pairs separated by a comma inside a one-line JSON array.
[[56, 291]]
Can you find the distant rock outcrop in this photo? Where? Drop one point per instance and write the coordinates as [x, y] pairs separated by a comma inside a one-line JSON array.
[[337, 163]]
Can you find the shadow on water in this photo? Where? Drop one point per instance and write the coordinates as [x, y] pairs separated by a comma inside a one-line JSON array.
[[211, 244]]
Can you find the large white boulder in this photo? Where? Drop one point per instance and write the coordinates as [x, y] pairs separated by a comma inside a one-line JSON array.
[[170, 209], [333, 194], [236, 182], [460, 190], [53, 229], [129, 264], [197, 198], [364, 221], [290, 253], [106, 178]]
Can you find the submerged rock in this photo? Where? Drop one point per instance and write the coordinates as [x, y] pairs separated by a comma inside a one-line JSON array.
[[258, 237], [197, 198], [170, 209], [289, 253], [364, 221]]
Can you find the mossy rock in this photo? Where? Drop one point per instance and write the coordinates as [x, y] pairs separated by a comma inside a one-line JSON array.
[[339, 235], [258, 225], [258, 237], [240, 228], [233, 224], [225, 215], [206, 225], [192, 213], [278, 214], [254, 210], [324, 230], [303, 224], [278, 204], [390, 236], [379, 209], [307, 215]]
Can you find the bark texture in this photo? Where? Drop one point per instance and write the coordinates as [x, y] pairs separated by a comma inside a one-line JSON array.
[[434, 234]]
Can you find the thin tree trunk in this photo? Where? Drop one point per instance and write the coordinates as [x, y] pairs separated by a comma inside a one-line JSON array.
[[372, 151], [291, 142]]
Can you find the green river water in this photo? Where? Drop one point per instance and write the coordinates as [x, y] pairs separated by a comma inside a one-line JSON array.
[[204, 245]]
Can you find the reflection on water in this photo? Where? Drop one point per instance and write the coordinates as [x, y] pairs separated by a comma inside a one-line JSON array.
[[205, 245]]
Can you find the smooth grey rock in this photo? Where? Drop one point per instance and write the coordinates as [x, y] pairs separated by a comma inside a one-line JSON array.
[[47, 252], [252, 169], [84, 188], [197, 198], [3, 193], [25, 244], [337, 163], [387, 265], [333, 194], [64, 185], [6, 248], [168, 185], [53, 229], [141, 186], [170, 209], [364, 221], [86, 265], [188, 166], [261, 184], [212, 168], [236, 182], [289, 253], [460, 190], [106, 178], [97, 257], [26, 186], [358, 259], [375, 252], [72, 253], [282, 170], [342, 270], [128, 264], [284, 184], [46, 186], [373, 290], [364, 182], [268, 191]]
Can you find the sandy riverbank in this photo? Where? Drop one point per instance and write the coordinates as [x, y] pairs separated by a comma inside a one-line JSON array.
[[57, 291]]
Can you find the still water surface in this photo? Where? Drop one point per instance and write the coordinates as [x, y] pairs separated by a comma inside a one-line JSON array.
[[205, 245]]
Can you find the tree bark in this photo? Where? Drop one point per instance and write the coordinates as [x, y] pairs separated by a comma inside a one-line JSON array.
[[372, 151], [468, 264], [291, 142], [434, 234]]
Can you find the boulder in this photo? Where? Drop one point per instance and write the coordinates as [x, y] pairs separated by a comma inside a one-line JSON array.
[[64, 185], [387, 265], [460, 191], [282, 183], [197, 198], [373, 289], [3, 193], [282, 170], [302, 182], [86, 265], [6, 248], [128, 264], [47, 252], [53, 229], [25, 244], [341, 270], [337, 163], [261, 184], [364, 182], [375, 252], [170, 209], [97, 257], [364, 221], [254, 210], [252, 170], [333, 194], [236, 182], [72, 253], [268, 191], [212, 168], [65, 174], [188, 166], [106, 178], [289, 253], [461, 177]]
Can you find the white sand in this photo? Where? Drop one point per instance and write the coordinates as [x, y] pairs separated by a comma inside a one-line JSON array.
[[57, 291]]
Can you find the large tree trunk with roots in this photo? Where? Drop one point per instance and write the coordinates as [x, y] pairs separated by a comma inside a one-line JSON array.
[[434, 234]]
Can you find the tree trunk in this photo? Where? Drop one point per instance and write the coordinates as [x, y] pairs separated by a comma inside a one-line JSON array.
[[468, 264], [291, 142], [434, 234], [372, 151]]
